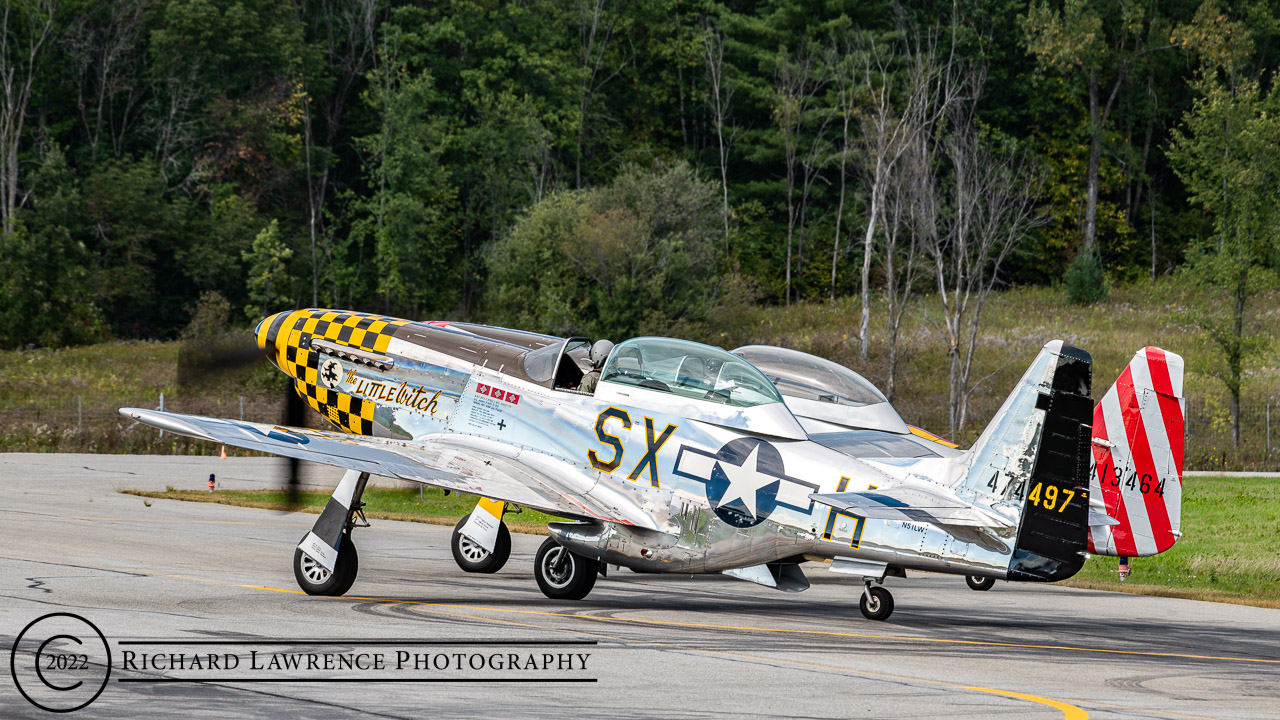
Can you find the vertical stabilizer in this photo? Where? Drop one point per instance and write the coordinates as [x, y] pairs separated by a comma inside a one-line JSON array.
[[1032, 460], [1137, 458]]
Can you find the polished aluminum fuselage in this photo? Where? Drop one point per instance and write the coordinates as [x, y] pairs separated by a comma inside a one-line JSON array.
[[726, 488]]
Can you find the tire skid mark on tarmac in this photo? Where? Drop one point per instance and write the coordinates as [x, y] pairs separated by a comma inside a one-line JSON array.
[[1069, 712], [821, 633], [676, 623], [410, 609]]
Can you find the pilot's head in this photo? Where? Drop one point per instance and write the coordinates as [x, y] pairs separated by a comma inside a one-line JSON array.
[[600, 352]]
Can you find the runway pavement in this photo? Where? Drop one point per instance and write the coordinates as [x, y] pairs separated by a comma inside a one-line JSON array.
[[193, 579]]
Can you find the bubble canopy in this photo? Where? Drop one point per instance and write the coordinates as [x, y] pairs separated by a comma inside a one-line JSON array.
[[808, 377], [689, 370]]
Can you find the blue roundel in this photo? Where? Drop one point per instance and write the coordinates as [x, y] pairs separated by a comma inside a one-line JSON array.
[[743, 486]]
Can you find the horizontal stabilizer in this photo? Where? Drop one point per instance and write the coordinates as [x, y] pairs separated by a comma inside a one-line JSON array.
[[1098, 516], [915, 503]]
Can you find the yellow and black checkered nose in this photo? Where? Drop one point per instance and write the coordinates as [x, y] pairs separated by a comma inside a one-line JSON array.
[[287, 337], [268, 329]]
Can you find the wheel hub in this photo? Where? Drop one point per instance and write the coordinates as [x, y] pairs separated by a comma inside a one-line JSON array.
[[314, 571], [472, 551], [558, 567]]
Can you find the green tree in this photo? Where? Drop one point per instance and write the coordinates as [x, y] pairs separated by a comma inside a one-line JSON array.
[[1101, 45], [268, 261], [46, 282], [1225, 153], [637, 256], [409, 213]]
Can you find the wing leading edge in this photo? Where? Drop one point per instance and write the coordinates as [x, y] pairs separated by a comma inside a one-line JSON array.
[[454, 462]]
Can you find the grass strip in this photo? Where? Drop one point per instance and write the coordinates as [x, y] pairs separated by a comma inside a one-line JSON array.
[[433, 506], [1229, 551]]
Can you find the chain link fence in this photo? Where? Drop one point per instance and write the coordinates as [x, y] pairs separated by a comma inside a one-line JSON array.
[[1208, 443], [78, 427]]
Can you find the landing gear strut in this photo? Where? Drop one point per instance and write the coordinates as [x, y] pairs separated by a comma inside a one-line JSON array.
[[325, 561], [979, 582], [876, 603], [563, 574]]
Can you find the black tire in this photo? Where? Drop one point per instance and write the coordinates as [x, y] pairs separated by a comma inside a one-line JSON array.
[[473, 558], [563, 574], [979, 582], [880, 607], [314, 579]]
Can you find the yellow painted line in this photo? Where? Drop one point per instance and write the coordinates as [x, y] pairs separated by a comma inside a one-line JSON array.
[[825, 633], [702, 626], [159, 520], [1069, 712], [1145, 711]]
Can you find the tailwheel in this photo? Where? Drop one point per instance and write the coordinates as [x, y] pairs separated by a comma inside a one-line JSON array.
[[979, 582], [471, 557], [563, 574], [315, 579], [876, 603]]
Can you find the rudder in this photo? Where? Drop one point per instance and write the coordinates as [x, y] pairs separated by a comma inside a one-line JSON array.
[[1137, 457]]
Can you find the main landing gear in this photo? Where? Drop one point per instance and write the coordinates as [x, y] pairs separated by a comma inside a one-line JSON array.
[[472, 557], [979, 582], [876, 603], [563, 574], [325, 561], [316, 579]]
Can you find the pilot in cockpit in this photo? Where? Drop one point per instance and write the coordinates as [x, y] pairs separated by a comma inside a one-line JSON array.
[[599, 353]]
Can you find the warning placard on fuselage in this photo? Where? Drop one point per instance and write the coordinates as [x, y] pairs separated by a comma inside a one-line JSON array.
[[489, 408]]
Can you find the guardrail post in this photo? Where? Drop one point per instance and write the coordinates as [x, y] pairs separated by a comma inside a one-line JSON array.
[[80, 420]]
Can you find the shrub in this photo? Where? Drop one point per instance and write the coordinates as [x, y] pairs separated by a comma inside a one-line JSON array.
[[1085, 281]]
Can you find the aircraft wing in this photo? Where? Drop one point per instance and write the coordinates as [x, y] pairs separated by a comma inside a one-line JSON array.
[[918, 503], [454, 462]]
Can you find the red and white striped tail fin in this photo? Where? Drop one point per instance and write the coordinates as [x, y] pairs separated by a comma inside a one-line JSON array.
[[1137, 458]]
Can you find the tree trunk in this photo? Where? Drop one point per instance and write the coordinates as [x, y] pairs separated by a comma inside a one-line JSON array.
[[864, 326], [1151, 200], [1236, 361], [1091, 179], [835, 249], [791, 224], [891, 298], [311, 208], [953, 394]]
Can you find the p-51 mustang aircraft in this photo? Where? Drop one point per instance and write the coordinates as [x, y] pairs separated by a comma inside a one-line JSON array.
[[686, 458]]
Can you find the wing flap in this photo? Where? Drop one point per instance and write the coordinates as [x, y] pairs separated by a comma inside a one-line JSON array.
[[915, 503], [454, 462]]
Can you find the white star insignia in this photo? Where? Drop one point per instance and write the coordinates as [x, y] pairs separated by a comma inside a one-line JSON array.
[[745, 481]]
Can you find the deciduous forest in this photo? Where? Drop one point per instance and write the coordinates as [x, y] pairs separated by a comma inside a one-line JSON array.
[[604, 167]]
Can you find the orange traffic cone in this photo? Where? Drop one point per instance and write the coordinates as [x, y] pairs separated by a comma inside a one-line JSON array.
[[224, 452]]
